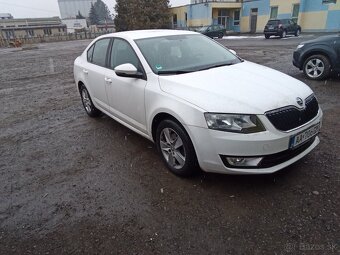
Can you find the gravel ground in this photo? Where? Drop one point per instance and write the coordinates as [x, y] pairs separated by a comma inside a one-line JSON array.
[[71, 184]]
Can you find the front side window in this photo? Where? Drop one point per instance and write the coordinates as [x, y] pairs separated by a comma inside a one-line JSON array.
[[100, 52], [184, 53], [122, 53]]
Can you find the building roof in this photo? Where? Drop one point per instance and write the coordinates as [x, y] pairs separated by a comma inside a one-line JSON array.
[[6, 16]]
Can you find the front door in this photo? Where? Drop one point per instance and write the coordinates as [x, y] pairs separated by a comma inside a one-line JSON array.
[[126, 95], [253, 20]]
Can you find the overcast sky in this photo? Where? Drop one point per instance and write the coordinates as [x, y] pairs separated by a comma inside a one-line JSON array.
[[47, 8]]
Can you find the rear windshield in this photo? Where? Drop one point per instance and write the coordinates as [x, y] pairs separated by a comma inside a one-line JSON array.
[[272, 22]]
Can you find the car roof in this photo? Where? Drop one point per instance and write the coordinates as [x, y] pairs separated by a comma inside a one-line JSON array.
[[142, 34]]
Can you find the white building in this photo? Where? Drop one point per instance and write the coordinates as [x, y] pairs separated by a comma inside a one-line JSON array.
[[6, 16], [74, 25], [69, 8]]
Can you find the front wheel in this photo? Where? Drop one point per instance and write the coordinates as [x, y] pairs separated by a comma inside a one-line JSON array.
[[220, 35], [267, 36], [317, 67], [176, 149], [90, 109]]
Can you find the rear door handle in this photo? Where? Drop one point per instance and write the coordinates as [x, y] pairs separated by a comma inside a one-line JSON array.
[[108, 80], [85, 71]]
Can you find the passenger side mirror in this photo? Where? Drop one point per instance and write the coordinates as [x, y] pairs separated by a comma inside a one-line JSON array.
[[128, 70]]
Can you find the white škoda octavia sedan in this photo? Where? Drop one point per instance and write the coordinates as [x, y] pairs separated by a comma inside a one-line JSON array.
[[200, 103]]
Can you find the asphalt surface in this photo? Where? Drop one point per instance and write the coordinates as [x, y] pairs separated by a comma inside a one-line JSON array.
[[70, 184]]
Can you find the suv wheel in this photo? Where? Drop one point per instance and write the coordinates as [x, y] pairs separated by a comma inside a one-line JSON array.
[[283, 34], [90, 109], [317, 67], [297, 32], [176, 149]]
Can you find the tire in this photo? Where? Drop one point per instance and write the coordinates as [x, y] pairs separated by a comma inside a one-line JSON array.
[[176, 149], [220, 35], [297, 32], [89, 107], [283, 34], [267, 36], [317, 67]]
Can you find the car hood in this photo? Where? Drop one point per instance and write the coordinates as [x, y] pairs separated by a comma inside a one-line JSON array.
[[241, 88], [324, 38]]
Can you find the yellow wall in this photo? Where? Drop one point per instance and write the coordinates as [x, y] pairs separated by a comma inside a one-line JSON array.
[[313, 20], [261, 22], [199, 22], [285, 6], [180, 12]]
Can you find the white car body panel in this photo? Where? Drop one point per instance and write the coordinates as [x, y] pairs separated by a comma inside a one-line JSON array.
[[244, 88]]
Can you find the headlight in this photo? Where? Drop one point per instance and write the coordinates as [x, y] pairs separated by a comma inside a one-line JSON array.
[[300, 46], [237, 123]]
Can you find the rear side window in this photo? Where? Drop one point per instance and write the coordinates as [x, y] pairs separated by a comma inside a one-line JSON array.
[[100, 52], [272, 22], [90, 54]]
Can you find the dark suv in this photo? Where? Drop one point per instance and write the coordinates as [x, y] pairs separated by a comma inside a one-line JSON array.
[[213, 31], [319, 57], [281, 27]]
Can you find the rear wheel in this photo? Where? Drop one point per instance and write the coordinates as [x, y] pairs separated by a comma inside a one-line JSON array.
[[317, 67], [267, 36], [283, 34], [90, 109], [297, 32], [176, 149], [220, 35]]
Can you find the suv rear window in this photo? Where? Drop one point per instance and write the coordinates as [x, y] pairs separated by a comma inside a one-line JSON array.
[[273, 22]]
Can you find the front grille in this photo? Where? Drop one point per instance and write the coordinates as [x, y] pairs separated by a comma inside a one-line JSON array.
[[290, 117]]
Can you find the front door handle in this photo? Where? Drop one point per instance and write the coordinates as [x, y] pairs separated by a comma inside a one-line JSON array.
[[85, 71], [108, 80]]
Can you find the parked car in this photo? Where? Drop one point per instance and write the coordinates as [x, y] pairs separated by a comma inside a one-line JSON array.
[[318, 58], [198, 102], [281, 27], [213, 31]]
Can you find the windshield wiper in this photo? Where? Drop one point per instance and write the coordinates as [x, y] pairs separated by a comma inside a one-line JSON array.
[[214, 66], [174, 72]]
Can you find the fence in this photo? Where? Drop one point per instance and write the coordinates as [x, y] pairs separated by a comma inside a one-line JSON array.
[[51, 38]]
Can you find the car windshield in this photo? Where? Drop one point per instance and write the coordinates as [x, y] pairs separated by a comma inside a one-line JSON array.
[[178, 54]]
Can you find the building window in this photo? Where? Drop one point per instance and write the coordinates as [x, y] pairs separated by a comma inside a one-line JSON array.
[[30, 32], [47, 31], [295, 14], [236, 18], [174, 20], [273, 12], [9, 34], [328, 1]]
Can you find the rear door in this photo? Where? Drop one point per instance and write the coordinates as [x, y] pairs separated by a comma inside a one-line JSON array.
[[95, 71]]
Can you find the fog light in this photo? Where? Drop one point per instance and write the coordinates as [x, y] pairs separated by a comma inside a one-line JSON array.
[[244, 162]]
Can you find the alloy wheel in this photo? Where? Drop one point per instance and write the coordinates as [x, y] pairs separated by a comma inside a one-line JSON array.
[[172, 148], [86, 100], [315, 68]]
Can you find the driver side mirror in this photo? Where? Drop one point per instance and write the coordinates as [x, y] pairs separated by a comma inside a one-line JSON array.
[[232, 51], [128, 70]]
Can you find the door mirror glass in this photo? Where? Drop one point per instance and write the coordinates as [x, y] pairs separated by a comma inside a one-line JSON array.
[[232, 51], [127, 70]]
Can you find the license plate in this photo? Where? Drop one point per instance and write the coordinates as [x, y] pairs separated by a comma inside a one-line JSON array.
[[304, 136]]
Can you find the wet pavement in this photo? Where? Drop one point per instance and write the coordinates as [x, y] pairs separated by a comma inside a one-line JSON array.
[[71, 184]]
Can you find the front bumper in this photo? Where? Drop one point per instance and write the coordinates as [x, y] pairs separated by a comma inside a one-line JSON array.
[[211, 146]]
